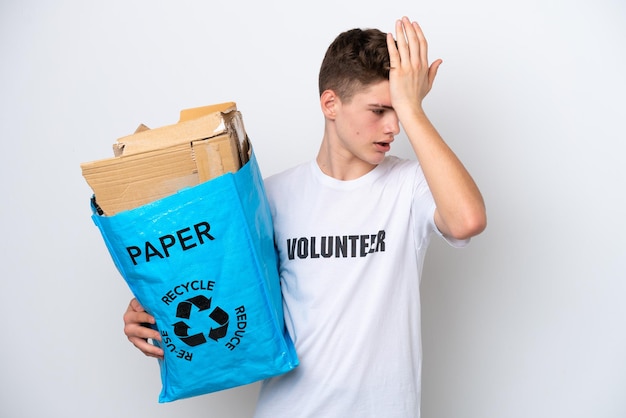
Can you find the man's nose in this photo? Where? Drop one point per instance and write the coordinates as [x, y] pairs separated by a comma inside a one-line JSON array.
[[392, 124]]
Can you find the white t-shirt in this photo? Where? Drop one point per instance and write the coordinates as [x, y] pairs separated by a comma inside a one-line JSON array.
[[351, 255]]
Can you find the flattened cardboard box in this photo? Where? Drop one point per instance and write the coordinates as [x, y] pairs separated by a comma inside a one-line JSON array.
[[154, 163]]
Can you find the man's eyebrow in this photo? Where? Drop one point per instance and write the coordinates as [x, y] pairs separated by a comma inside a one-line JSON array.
[[380, 106]]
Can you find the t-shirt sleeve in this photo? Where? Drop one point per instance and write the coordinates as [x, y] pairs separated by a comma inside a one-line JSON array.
[[456, 243]]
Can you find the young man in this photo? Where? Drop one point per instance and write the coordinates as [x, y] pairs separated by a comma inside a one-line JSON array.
[[351, 231]]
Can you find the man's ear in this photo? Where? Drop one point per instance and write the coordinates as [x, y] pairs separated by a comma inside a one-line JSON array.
[[329, 102]]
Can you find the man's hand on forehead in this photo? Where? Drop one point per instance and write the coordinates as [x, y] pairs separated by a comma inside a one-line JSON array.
[[410, 75]]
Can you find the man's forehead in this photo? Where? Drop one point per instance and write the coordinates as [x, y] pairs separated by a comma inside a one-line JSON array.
[[376, 95]]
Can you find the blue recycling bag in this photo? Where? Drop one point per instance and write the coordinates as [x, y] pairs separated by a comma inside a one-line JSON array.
[[202, 262]]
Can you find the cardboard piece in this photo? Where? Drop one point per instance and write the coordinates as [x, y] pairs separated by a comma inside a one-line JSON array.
[[154, 163]]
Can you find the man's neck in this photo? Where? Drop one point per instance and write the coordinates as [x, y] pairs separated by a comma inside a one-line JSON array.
[[340, 164]]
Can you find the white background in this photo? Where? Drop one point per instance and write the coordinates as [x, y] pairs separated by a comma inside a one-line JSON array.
[[529, 321]]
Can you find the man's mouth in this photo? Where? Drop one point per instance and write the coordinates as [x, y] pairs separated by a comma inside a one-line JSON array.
[[383, 146]]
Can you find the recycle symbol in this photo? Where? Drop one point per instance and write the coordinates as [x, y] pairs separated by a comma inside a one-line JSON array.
[[183, 311]]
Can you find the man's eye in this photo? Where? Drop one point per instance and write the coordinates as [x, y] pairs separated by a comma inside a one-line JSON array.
[[378, 111]]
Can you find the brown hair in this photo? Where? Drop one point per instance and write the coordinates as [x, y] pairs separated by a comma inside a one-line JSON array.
[[357, 58]]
